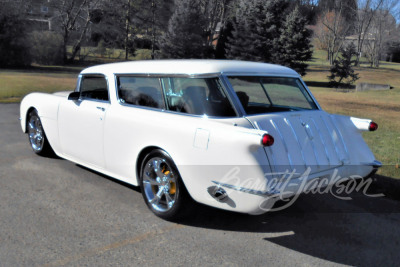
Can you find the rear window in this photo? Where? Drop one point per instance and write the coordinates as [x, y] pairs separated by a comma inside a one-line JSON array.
[[271, 94]]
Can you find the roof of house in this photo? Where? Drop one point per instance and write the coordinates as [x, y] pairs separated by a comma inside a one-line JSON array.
[[191, 67]]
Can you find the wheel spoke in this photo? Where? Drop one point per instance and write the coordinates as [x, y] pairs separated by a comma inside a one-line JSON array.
[[150, 181], [31, 125], [169, 200], [155, 200], [171, 178]]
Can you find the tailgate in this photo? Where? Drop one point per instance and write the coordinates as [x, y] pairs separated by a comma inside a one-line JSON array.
[[308, 139]]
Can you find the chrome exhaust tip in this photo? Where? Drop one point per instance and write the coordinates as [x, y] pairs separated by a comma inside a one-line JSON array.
[[218, 193]]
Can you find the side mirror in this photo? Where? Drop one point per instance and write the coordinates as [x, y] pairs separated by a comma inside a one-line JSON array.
[[74, 96]]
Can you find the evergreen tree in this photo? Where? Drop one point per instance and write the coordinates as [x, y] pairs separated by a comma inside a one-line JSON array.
[[295, 42], [186, 34], [264, 31], [256, 30], [342, 72], [14, 46]]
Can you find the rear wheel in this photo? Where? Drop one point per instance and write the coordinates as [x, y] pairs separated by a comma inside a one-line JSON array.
[[37, 137], [162, 187]]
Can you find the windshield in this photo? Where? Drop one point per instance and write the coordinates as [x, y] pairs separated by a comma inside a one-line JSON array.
[[271, 94]]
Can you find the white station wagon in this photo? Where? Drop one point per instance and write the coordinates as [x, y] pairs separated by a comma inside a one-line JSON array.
[[229, 134]]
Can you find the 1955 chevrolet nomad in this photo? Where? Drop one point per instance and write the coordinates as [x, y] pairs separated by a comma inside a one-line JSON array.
[[230, 134]]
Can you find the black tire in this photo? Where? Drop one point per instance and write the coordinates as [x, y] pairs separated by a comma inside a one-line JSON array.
[[162, 187], [36, 135]]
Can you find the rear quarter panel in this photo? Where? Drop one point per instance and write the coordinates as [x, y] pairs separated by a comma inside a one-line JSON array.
[[203, 149]]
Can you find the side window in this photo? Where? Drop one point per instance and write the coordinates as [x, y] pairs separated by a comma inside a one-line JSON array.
[[198, 96], [94, 87], [140, 91]]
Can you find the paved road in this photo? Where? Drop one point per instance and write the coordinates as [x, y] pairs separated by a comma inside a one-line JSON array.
[[55, 213]]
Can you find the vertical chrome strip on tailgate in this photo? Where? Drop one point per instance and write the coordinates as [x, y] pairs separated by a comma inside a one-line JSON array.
[[309, 137], [322, 141], [333, 140], [297, 139], [341, 136], [284, 143]]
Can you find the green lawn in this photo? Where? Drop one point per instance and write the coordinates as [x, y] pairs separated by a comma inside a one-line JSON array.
[[15, 84]]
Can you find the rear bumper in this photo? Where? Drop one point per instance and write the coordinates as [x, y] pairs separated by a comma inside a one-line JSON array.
[[261, 201]]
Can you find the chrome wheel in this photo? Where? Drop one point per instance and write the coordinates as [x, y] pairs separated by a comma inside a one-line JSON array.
[[37, 136], [36, 133], [159, 184]]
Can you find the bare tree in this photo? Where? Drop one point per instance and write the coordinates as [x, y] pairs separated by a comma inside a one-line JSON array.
[[383, 31], [331, 30], [365, 14], [215, 11], [74, 17]]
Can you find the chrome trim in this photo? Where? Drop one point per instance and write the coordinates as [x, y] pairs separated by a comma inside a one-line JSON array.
[[376, 164], [261, 74], [298, 141], [310, 136], [79, 83], [333, 140], [322, 141], [164, 75], [309, 92], [284, 143], [232, 97], [269, 193], [340, 136]]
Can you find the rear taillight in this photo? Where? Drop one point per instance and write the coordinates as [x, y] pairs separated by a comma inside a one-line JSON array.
[[267, 140], [373, 126]]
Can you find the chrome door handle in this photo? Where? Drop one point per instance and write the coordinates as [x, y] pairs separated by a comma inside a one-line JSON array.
[[101, 108]]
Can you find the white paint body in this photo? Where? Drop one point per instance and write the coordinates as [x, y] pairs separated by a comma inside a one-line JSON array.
[[109, 137]]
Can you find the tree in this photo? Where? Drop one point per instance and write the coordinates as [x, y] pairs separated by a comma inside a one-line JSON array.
[[265, 31], [186, 36], [382, 32], [342, 72], [363, 20], [331, 30], [346, 8], [14, 48], [75, 17], [256, 30], [295, 42]]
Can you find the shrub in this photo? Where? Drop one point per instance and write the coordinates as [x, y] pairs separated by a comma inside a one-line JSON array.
[[14, 51], [46, 47], [342, 72]]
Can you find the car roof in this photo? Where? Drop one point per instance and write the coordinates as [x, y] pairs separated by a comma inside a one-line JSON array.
[[191, 67]]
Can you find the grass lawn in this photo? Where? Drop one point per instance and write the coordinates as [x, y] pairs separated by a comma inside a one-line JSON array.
[[15, 84], [383, 107]]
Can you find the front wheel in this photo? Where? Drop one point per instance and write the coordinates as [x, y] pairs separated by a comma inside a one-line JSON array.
[[162, 187], [37, 137]]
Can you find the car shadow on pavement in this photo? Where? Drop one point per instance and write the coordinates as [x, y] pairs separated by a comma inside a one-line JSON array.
[[363, 231]]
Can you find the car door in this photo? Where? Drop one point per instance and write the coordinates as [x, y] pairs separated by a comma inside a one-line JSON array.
[[81, 122]]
